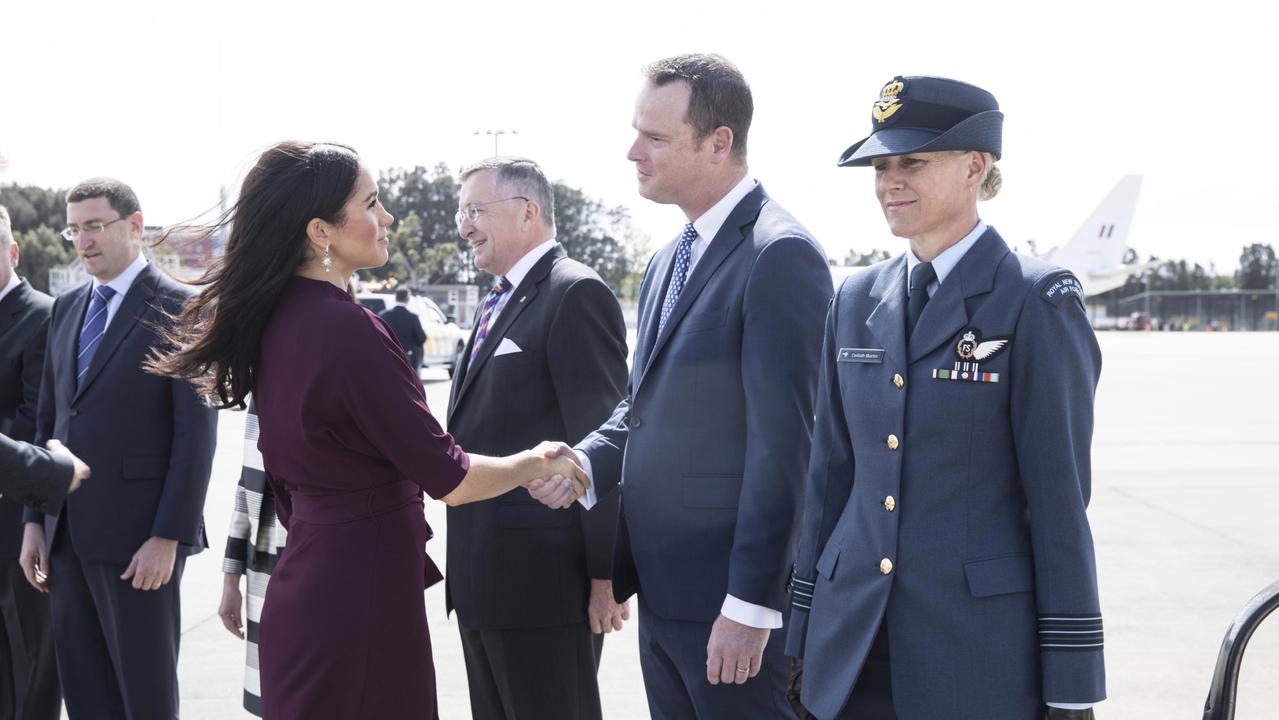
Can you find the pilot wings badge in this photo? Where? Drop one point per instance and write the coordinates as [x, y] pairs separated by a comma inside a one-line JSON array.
[[971, 350]]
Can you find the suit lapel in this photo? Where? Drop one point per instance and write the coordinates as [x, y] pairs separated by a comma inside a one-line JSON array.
[[650, 314], [521, 297], [68, 339], [12, 307], [131, 310], [888, 320], [730, 235], [946, 312]]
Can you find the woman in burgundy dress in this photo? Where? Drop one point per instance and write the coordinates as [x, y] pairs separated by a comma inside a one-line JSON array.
[[346, 437]]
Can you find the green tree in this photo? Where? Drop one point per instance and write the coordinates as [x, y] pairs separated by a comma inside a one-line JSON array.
[[1257, 268], [30, 207], [38, 251], [425, 247], [600, 237], [858, 259]]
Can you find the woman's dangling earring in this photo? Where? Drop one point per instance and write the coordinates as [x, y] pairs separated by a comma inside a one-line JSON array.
[[327, 261]]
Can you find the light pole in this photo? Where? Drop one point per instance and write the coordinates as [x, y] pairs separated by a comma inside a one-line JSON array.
[[496, 134]]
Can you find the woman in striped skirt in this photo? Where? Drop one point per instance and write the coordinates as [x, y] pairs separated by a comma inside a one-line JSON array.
[[254, 543]]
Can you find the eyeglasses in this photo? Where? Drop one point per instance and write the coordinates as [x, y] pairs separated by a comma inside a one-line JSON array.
[[472, 212], [92, 229]]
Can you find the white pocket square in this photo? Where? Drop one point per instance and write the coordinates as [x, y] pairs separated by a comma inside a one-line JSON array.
[[506, 347]]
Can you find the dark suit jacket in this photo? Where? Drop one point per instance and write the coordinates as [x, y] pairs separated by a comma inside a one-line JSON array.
[[992, 571], [24, 323], [408, 331], [33, 476], [149, 439], [513, 563], [712, 441]]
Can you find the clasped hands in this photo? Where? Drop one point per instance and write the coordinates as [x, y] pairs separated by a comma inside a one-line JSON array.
[[560, 480]]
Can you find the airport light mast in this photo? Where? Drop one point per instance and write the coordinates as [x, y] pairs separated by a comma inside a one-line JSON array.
[[496, 134]]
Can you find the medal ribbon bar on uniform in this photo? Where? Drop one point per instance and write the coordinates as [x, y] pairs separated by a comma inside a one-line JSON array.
[[965, 371]]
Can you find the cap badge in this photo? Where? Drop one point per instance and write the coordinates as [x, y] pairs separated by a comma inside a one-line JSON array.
[[888, 104]]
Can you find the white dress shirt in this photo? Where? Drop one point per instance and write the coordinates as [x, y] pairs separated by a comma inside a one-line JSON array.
[[517, 273], [120, 284]]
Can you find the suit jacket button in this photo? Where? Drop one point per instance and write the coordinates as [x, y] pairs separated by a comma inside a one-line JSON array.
[[893, 444], [885, 566], [635, 422], [898, 381], [74, 412], [890, 504]]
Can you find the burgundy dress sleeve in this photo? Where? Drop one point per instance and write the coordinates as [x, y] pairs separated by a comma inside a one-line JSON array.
[[386, 400]]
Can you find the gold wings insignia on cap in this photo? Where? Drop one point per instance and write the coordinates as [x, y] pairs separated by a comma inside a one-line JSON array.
[[887, 104], [988, 348]]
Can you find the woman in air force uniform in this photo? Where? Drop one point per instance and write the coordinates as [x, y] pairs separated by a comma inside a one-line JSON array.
[[945, 566]]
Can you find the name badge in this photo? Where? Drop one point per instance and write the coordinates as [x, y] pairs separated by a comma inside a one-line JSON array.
[[861, 355]]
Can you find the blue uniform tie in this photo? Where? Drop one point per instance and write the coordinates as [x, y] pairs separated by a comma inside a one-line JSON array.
[[683, 258], [920, 278], [95, 324]]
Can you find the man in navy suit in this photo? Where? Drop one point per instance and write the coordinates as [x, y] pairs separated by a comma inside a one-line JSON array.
[[710, 443], [406, 326], [945, 566], [112, 556], [28, 671]]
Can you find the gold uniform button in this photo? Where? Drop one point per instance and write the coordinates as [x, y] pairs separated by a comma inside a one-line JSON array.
[[885, 566], [898, 381], [893, 444], [890, 504]]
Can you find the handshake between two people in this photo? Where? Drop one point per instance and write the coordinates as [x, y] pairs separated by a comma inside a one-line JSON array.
[[550, 471], [563, 481]]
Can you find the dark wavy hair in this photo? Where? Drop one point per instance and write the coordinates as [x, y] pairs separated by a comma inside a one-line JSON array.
[[217, 338]]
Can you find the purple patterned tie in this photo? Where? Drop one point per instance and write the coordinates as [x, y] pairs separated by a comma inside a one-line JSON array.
[[683, 258], [490, 303]]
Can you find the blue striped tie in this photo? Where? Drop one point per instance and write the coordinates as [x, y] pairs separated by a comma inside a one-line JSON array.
[[95, 324], [683, 258]]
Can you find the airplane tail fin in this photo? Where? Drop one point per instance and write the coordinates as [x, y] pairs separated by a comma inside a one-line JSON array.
[[1101, 242]]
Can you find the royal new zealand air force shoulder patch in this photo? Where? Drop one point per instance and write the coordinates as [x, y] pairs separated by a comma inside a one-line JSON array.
[[1060, 287]]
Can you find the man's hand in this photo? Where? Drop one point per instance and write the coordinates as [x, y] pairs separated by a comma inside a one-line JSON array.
[[152, 565], [81, 472], [605, 615], [734, 652], [34, 556], [559, 489], [232, 604]]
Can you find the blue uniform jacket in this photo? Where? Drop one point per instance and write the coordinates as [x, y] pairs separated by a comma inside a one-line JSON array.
[[946, 494]]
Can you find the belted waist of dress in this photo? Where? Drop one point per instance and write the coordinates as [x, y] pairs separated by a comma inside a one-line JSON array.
[[359, 505]]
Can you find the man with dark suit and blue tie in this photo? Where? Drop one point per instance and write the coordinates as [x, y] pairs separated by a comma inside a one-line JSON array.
[[112, 555], [945, 566], [28, 670], [710, 443], [406, 326]]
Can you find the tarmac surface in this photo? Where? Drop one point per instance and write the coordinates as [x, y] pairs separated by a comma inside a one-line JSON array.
[[1185, 515]]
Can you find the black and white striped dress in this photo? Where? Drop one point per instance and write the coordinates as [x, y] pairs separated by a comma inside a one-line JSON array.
[[253, 546]]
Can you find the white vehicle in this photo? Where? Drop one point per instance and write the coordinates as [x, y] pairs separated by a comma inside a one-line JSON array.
[[445, 341]]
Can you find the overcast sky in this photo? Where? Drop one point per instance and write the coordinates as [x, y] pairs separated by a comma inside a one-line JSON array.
[[177, 99]]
